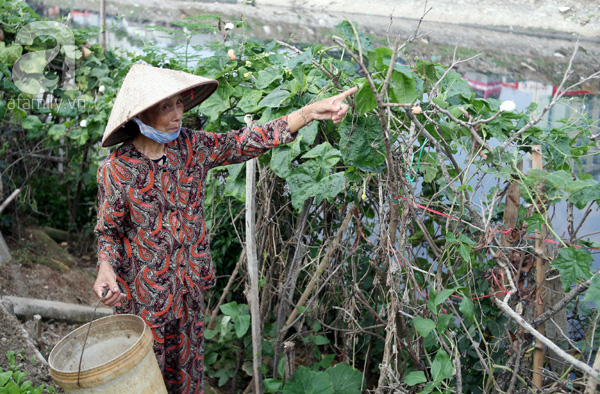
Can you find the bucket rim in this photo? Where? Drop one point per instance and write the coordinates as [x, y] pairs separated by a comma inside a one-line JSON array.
[[120, 364]]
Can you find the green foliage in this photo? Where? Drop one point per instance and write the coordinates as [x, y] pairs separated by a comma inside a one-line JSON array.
[[13, 379], [338, 379], [573, 264]]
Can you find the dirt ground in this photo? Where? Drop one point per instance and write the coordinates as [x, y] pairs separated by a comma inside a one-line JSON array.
[[524, 31], [26, 276]]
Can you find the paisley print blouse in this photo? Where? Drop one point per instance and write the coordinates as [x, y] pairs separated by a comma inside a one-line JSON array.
[[151, 217]]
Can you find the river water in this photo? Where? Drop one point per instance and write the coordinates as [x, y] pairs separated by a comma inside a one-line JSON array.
[[130, 35]]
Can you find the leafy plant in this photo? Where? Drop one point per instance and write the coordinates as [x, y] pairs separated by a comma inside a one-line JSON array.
[[13, 379]]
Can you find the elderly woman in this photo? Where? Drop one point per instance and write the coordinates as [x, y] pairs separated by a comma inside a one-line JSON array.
[[153, 254]]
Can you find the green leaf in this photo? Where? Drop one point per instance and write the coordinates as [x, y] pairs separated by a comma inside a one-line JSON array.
[[345, 379], [329, 187], [224, 374], [272, 385], [231, 309], [225, 327], [302, 59], [236, 183], [585, 195], [361, 142], [306, 381], [32, 123], [535, 222], [275, 98], [241, 324], [423, 326], [302, 182], [443, 296], [309, 133], [249, 101], [268, 76], [414, 378], [456, 85], [365, 99], [441, 368], [56, 131], [463, 238], [591, 295], [465, 252], [321, 150], [210, 357], [321, 340], [3, 109], [347, 31], [442, 323], [4, 378], [467, 308], [9, 55], [573, 264], [282, 157], [210, 334], [402, 85], [216, 104], [326, 361]]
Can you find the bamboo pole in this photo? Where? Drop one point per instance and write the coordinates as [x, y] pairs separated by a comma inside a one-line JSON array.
[[12, 196], [539, 353], [253, 296], [103, 24]]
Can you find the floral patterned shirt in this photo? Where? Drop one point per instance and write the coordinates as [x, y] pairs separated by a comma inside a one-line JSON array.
[[151, 217]]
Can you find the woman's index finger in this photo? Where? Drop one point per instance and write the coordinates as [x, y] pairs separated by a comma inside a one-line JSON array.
[[344, 95]]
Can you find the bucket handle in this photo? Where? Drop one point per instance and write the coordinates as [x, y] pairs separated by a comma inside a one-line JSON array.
[[87, 334]]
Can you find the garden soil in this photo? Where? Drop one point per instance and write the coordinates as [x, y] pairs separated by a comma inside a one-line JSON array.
[[537, 36]]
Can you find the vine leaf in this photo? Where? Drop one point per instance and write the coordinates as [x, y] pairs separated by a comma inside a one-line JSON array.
[[467, 308], [593, 292], [365, 99], [414, 378], [443, 296], [306, 381], [361, 141], [275, 98], [345, 379], [572, 264], [441, 368], [424, 326]]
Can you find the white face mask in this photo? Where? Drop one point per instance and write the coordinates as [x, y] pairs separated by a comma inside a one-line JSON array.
[[156, 135]]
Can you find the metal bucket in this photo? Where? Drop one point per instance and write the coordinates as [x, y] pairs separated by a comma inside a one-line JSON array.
[[118, 358]]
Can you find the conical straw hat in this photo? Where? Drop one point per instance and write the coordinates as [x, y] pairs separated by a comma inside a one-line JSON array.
[[145, 86]]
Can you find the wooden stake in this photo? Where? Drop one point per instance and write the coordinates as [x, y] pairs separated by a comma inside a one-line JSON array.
[[539, 353], [289, 360], [253, 296]]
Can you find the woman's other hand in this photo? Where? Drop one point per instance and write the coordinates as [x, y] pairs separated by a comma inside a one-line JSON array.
[[106, 287]]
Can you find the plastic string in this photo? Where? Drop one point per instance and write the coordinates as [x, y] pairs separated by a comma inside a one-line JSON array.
[[411, 179]]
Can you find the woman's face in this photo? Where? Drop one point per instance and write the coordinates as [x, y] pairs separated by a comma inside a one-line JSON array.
[[166, 115]]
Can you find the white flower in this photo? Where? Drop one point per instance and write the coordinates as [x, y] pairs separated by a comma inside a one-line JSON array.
[[508, 106], [228, 26], [248, 63], [101, 89], [83, 123]]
